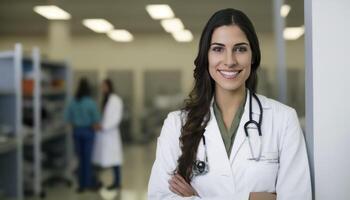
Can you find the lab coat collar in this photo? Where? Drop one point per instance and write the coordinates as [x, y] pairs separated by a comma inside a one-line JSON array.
[[240, 135], [265, 104]]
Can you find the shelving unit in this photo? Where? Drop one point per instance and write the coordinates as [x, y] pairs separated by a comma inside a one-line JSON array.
[[33, 94], [56, 143], [11, 166], [52, 143], [31, 120]]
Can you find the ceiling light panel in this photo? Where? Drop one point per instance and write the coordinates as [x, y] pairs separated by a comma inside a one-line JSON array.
[[98, 25], [293, 33], [160, 11], [120, 35], [183, 36], [172, 25], [285, 9], [52, 12]]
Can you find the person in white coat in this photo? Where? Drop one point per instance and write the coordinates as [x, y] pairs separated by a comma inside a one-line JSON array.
[[227, 142], [108, 151]]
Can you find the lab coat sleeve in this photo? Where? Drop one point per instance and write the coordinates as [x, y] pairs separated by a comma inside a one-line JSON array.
[[112, 114], [293, 182], [168, 151]]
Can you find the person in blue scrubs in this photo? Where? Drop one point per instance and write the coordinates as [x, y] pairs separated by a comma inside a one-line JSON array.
[[83, 115]]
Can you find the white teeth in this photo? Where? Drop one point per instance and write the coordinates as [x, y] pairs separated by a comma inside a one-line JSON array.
[[228, 73]]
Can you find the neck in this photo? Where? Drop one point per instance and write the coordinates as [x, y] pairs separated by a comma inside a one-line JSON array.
[[229, 101]]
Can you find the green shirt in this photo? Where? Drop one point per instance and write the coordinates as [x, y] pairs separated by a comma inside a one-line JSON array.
[[228, 136], [82, 113]]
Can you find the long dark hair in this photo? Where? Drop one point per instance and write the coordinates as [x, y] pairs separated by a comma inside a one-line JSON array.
[[110, 90], [83, 89], [197, 106]]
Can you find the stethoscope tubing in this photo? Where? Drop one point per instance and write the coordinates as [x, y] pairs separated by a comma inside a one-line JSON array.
[[246, 126]]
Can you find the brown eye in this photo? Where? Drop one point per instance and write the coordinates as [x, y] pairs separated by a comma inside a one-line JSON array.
[[217, 49], [240, 49]]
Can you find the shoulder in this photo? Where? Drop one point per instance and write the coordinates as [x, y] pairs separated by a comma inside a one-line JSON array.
[[283, 116], [172, 125], [276, 107], [70, 105], [115, 98], [89, 101], [176, 117], [72, 102]]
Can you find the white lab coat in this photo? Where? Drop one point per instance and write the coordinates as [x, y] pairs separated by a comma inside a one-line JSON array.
[[283, 168], [108, 146]]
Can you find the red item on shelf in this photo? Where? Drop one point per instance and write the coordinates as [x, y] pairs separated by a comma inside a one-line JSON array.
[[27, 87]]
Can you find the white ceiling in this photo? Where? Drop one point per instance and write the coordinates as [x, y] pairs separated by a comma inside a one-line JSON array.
[[18, 18]]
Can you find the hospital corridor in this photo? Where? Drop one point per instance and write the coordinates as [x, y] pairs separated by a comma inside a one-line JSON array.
[[174, 100]]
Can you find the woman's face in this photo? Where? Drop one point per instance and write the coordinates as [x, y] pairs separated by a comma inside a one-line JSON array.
[[104, 88], [229, 58]]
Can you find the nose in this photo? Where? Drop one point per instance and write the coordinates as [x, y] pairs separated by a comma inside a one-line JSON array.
[[230, 59]]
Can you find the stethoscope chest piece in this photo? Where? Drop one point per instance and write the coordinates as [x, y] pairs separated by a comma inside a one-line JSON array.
[[200, 168]]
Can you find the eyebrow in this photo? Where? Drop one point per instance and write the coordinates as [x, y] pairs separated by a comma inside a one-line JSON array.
[[220, 44]]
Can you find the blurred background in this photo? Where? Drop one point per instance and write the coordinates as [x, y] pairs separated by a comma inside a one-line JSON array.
[[42, 59]]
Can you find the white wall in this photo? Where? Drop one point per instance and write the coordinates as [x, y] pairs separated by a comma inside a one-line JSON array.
[[328, 97], [146, 52]]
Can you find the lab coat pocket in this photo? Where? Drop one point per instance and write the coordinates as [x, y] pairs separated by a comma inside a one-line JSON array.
[[269, 158], [261, 175]]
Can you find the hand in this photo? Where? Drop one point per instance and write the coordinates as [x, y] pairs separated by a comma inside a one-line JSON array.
[[179, 186], [262, 195], [97, 127]]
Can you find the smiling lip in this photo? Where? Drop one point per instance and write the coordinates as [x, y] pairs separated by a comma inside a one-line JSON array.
[[229, 74]]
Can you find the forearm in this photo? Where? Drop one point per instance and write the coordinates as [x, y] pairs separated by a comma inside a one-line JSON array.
[[262, 196]]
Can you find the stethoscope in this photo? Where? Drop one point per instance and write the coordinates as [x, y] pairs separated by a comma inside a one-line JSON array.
[[201, 167]]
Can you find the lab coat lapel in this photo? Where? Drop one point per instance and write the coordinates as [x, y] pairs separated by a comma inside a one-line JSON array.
[[240, 134], [216, 147]]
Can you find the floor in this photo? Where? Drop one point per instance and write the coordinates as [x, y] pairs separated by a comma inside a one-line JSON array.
[[138, 160]]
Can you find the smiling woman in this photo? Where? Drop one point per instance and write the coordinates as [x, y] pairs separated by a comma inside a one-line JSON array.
[[228, 142], [229, 58]]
